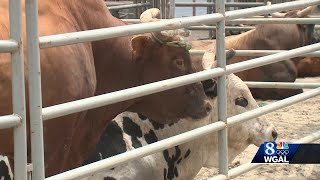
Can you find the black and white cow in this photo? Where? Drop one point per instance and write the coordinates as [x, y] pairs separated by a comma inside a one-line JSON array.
[[130, 131], [5, 170]]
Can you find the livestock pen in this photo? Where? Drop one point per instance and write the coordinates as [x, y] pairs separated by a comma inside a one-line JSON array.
[[17, 120]]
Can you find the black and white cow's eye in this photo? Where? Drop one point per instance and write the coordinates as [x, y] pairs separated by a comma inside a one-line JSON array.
[[241, 101]]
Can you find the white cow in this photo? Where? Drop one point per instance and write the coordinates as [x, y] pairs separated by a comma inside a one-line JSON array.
[[130, 131], [5, 170]]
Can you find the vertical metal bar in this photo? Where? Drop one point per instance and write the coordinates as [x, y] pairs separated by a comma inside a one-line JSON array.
[[136, 9], [143, 8], [222, 97], [151, 3], [172, 8], [209, 11], [194, 9], [35, 96], [265, 3], [18, 91], [140, 9], [163, 9]]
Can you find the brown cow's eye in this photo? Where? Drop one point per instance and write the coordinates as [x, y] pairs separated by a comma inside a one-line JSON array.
[[179, 62], [241, 101]]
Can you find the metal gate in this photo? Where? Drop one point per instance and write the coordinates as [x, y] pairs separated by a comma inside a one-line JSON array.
[[38, 114]]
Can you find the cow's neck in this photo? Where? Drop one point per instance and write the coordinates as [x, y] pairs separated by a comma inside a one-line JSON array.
[[115, 70]]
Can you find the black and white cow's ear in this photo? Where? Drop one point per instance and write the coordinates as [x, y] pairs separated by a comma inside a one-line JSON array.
[[138, 44], [208, 59], [210, 87]]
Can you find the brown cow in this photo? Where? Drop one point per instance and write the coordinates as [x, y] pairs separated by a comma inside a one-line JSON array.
[[78, 71], [268, 37], [308, 67]]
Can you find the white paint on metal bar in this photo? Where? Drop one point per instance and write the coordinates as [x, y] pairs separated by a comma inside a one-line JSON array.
[[172, 8], [257, 21], [235, 28], [35, 97], [272, 107], [8, 46], [227, 4], [105, 33], [261, 61], [275, 21], [222, 92], [127, 94], [285, 85], [128, 6], [9, 121], [242, 13], [310, 138], [18, 91], [259, 53]]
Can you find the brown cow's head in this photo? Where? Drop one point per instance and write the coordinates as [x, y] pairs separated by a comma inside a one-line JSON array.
[[306, 30], [159, 58]]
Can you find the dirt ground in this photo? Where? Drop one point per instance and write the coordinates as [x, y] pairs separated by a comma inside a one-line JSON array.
[[293, 122]]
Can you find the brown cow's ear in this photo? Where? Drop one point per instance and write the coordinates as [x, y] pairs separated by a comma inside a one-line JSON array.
[[138, 44]]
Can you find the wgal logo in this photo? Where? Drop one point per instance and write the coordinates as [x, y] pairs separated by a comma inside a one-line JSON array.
[[276, 153]]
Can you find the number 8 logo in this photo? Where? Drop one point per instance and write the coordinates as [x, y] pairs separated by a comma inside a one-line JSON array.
[[269, 148]]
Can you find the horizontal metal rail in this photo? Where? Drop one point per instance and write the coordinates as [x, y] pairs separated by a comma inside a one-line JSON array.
[[284, 85], [128, 6], [256, 21], [159, 146], [273, 58], [232, 28], [273, 107], [275, 21], [127, 94], [211, 4], [243, 13], [8, 46], [131, 93], [9, 121], [235, 172], [258, 53], [105, 33]]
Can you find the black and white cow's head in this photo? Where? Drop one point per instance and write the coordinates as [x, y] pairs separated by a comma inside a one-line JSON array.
[[239, 100]]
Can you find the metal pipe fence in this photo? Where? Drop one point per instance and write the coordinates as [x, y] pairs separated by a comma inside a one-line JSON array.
[[258, 53], [127, 6], [222, 91], [284, 85], [38, 114], [258, 20], [212, 4], [159, 146]]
